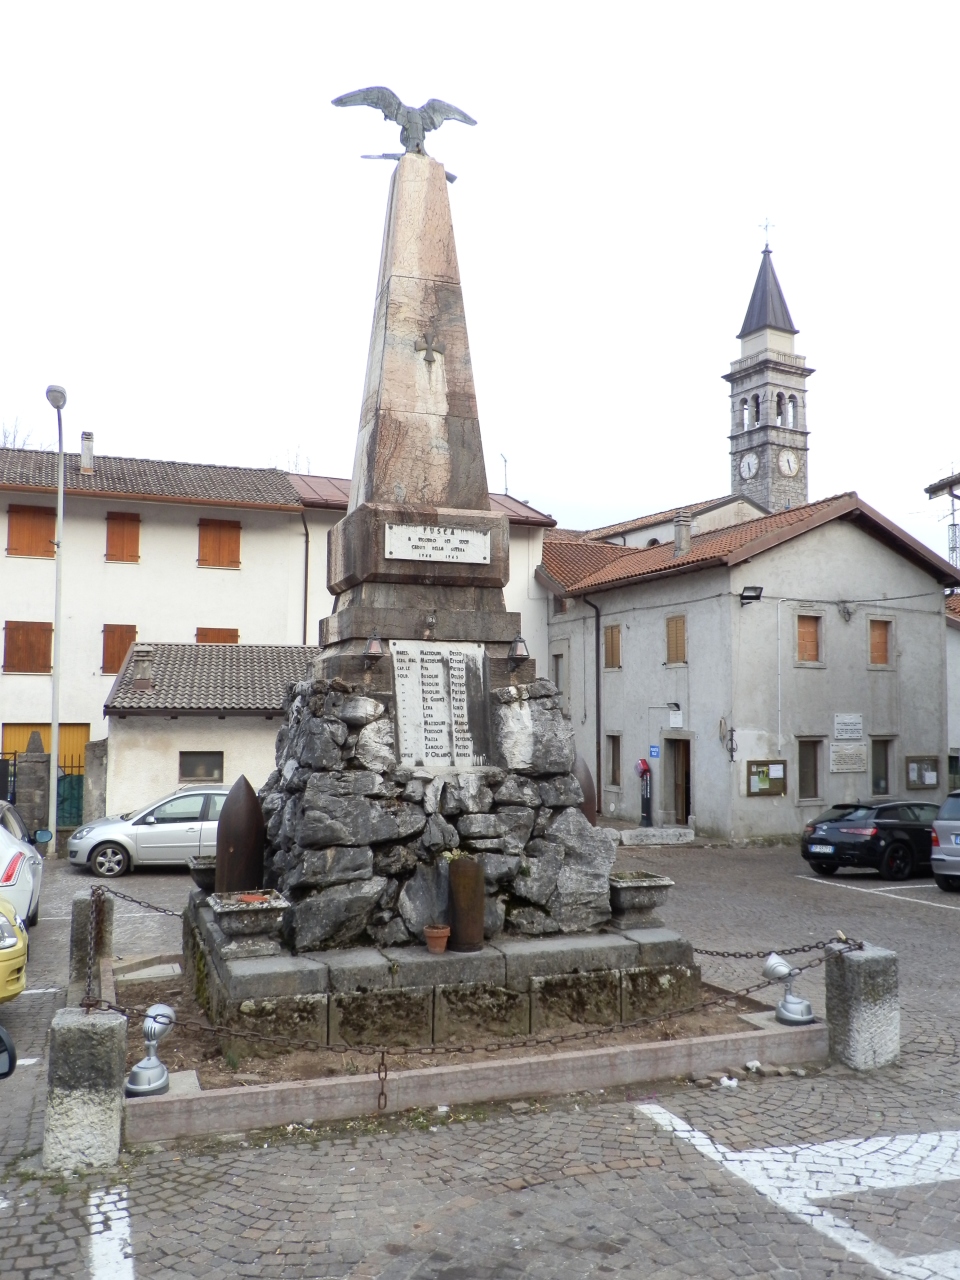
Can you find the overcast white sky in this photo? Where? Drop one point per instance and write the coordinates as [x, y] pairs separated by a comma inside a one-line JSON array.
[[190, 240]]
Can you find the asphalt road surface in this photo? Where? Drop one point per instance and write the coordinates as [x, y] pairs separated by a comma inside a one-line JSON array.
[[826, 1175]]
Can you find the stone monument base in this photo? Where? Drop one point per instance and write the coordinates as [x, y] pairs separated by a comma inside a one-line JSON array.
[[404, 996]]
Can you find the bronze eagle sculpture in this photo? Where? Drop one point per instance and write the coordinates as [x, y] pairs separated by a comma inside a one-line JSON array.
[[414, 122]]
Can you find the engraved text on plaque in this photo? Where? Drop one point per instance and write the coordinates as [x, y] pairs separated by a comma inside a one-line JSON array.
[[436, 542], [432, 681]]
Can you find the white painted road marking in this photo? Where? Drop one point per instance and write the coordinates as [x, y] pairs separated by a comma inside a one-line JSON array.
[[883, 893], [795, 1177], [109, 1240]]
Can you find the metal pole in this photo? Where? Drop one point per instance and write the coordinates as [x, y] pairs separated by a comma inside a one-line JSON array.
[[55, 709]]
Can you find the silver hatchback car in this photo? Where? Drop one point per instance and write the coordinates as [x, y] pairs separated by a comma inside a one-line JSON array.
[[945, 853], [167, 832]]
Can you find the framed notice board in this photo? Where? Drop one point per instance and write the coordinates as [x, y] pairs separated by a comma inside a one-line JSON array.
[[766, 777], [923, 772]]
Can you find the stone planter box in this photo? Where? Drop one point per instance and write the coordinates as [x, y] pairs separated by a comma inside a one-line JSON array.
[[243, 914], [635, 895], [203, 870]]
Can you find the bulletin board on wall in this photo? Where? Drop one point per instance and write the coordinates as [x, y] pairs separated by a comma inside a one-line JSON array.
[[923, 772], [766, 778]]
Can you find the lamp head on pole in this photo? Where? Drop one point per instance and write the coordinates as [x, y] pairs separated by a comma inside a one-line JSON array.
[[57, 396], [518, 653]]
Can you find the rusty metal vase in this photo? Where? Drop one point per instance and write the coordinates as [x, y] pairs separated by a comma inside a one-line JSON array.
[[466, 905], [240, 839]]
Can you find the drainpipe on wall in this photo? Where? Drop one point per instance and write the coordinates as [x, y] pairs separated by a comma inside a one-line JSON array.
[[306, 572], [596, 667]]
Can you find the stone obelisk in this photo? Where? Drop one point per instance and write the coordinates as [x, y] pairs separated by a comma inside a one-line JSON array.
[[419, 556]]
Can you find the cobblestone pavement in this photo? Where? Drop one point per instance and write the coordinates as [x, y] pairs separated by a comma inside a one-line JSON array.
[[825, 1175]]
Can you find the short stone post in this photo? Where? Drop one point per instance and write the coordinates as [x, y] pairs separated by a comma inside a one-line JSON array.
[[80, 937], [863, 1006], [33, 786], [85, 1079]]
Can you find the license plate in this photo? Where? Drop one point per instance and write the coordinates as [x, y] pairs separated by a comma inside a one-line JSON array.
[[956, 839], [826, 848]]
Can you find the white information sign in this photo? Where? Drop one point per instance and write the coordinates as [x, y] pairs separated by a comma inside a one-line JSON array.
[[437, 542], [848, 726], [848, 757], [676, 719], [432, 681]]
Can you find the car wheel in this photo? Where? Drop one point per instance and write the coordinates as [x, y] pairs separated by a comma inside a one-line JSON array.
[[824, 868], [949, 884], [897, 863], [109, 861]]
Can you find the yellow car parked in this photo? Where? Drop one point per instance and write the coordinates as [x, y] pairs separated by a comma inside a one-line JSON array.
[[13, 952]]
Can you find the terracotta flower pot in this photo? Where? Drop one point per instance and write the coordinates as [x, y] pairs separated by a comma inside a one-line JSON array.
[[436, 936], [467, 904]]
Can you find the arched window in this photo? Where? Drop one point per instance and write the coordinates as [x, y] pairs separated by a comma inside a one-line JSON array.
[[781, 409], [755, 415], [654, 542], [792, 412], [744, 415]]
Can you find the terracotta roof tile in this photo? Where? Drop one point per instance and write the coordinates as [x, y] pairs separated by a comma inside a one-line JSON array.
[[222, 678], [334, 493], [953, 605], [658, 517], [570, 562]]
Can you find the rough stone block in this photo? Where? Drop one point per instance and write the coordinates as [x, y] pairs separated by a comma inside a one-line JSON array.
[[416, 967], [359, 969], [425, 898], [359, 711], [661, 946], [543, 957], [80, 934], [516, 790], [517, 823], [658, 989], [375, 746], [335, 917], [466, 1013], [498, 868], [532, 738], [580, 999], [480, 826], [863, 1006], [561, 792], [85, 1078], [394, 1017], [320, 868], [304, 1015], [282, 975]]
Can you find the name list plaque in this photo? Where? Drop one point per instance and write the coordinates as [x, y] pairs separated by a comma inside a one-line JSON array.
[[431, 681], [436, 542]]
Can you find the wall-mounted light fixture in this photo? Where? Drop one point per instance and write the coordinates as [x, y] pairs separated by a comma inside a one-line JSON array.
[[373, 650], [517, 653], [673, 706], [749, 595]]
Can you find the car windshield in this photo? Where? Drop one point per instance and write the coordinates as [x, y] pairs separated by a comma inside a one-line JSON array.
[[950, 809], [855, 815]]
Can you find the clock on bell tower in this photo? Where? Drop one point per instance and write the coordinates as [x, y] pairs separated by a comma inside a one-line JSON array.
[[768, 437]]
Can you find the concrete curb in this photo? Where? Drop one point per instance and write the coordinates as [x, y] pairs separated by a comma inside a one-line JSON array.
[[218, 1111]]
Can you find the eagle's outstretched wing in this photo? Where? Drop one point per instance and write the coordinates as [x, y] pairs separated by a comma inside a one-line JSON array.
[[376, 96], [434, 112]]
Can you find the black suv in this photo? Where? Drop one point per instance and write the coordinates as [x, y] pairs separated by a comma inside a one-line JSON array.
[[893, 837]]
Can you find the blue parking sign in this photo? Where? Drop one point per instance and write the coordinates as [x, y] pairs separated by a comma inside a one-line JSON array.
[[654, 752]]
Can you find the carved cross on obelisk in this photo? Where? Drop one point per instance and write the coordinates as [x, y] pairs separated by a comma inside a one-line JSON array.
[[429, 344]]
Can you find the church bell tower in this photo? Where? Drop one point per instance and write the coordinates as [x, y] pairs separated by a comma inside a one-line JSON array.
[[768, 436]]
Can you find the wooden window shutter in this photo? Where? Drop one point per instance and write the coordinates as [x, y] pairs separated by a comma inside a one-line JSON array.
[[879, 643], [218, 635], [808, 638], [677, 639], [219, 544], [31, 531], [117, 639], [27, 646], [611, 646], [123, 537]]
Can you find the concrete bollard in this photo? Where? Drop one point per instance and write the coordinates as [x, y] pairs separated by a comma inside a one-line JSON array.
[[80, 936], [863, 1006], [85, 1078]]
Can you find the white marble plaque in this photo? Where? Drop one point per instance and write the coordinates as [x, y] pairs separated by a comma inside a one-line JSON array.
[[848, 726], [431, 680], [437, 542], [848, 757]]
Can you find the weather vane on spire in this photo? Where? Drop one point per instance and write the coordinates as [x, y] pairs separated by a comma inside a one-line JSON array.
[[765, 226]]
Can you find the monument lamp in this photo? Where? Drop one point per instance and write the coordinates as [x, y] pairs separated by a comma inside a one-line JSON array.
[[793, 1010], [150, 1076], [517, 653], [749, 595], [373, 650], [58, 398]]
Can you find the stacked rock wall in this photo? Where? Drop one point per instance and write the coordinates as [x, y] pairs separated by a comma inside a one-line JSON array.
[[357, 843]]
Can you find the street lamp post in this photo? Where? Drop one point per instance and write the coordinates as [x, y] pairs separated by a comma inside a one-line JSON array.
[[58, 398]]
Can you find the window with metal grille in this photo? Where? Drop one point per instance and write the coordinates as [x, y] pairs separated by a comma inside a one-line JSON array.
[[611, 646], [879, 643], [117, 639], [677, 639], [219, 546], [27, 646], [123, 537], [613, 759], [31, 531], [808, 637], [809, 770], [218, 635]]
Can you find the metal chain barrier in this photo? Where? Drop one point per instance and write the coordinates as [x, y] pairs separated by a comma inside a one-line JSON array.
[[90, 1001], [138, 902], [762, 955]]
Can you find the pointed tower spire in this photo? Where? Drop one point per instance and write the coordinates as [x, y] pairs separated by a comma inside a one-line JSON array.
[[768, 440], [768, 308]]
